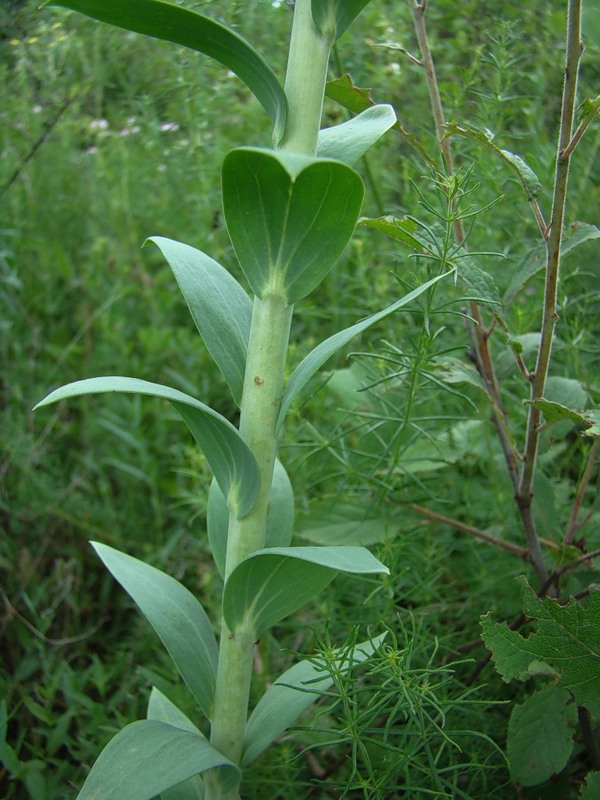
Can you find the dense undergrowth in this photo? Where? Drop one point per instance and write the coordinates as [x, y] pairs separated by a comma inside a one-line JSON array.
[[107, 138]]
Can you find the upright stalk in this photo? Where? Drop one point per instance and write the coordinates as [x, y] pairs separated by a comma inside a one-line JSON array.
[[263, 389]]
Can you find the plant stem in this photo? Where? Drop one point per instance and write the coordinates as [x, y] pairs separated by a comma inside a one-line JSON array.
[[554, 240], [261, 400], [585, 479]]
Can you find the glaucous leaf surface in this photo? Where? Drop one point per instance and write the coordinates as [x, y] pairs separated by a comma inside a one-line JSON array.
[[289, 217], [293, 693], [280, 517], [146, 758], [273, 583], [350, 141], [180, 25], [228, 455], [176, 616], [313, 362], [332, 17], [220, 308]]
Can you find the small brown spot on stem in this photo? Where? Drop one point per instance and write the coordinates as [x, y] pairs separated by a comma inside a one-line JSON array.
[[258, 381]]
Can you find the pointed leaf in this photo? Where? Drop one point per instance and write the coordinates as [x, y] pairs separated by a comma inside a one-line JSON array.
[[567, 640], [332, 17], [147, 758], [162, 709], [311, 364], [176, 616], [539, 740], [219, 306], [289, 217], [293, 693], [180, 25], [272, 583], [553, 412], [350, 141], [403, 229], [229, 456], [280, 517]]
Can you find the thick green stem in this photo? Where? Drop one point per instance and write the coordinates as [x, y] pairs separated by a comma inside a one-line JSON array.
[[263, 389]]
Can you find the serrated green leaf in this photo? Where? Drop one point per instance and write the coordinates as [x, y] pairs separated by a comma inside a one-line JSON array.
[[332, 17], [293, 693], [540, 736], [313, 362], [567, 639], [591, 790], [574, 235], [556, 412], [271, 584], [230, 458], [180, 25], [280, 516], [148, 757], [350, 141], [289, 217], [220, 308], [529, 180], [176, 616]]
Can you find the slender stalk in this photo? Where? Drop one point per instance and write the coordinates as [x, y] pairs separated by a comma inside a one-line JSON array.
[[554, 240], [583, 484], [261, 399]]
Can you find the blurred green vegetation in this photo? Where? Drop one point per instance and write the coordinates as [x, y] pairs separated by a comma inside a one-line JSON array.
[[108, 138]]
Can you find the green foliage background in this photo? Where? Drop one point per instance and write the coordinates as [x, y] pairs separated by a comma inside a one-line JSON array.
[[108, 138]]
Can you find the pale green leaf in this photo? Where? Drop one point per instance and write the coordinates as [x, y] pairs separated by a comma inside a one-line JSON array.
[[403, 229], [176, 616], [350, 141], [273, 583], [332, 17], [162, 709], [148, 757], [280, 516], [313, 362], [228, 455], [343, 524], [289, 217], [540, 736], [567, 639], [219, 306], [180, 25], [480, 283], [293, 693], [591, 790], [553, 412]]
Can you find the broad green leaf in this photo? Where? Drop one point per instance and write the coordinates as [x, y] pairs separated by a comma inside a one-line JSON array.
[[402, 229], [180, 25], [293, 693], [148, 757], [332, 17], [566, 391], [480, 283], [529, 180], [289, 217], [311, 364], [176, 616], [355, 99], [591, 790], [553, 412], [454, 370], [350, 141], [272, 583], [540, 736], [567, 640], [219, 306], [574, 235], [343, 524], [229, 456], [162, 709], [280, 517]]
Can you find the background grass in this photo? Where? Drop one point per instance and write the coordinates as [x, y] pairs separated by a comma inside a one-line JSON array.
[[108, 138]]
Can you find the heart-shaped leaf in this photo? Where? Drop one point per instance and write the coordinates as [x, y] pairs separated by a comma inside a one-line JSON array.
[[230, 458], [350, 141], [147, 758], [289, 217], [176, 616], [294, 692], [219, 306], [272, 583], [280, 517], [180, 25], [313, 362]]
